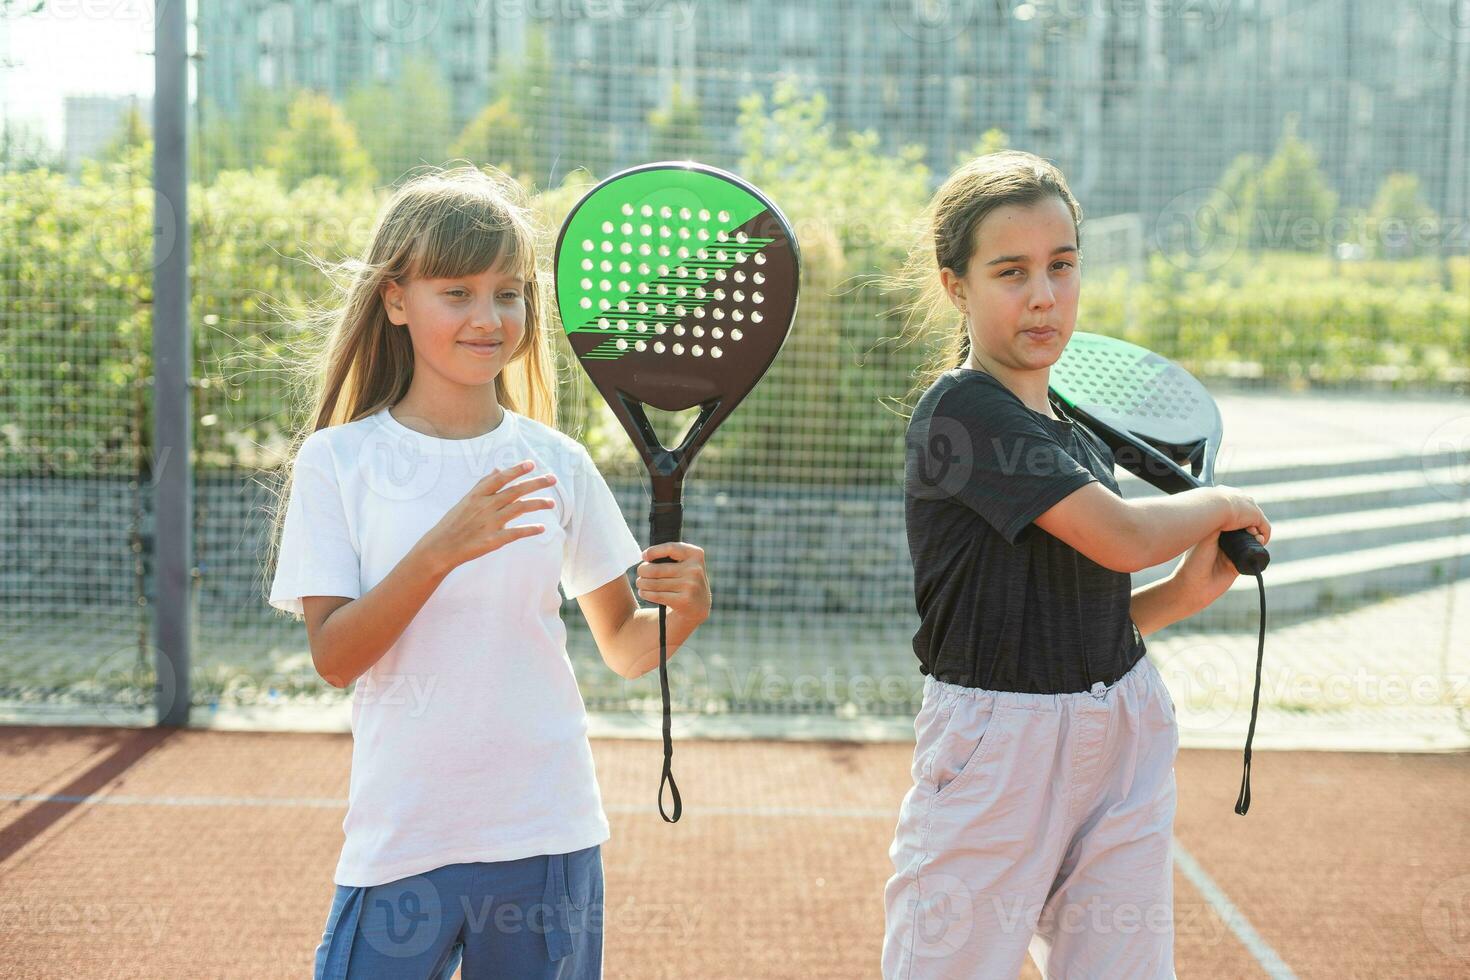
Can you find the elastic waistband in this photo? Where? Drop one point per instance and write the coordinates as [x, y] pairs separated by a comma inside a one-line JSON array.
[[1041, 702]]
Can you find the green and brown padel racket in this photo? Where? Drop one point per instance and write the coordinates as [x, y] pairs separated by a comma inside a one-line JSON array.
[[1158, 419], [676, 284]]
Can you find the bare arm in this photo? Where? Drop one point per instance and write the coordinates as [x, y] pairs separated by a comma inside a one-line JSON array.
[[1159, 604], [1131, 535], [627, 635], [348, 636]]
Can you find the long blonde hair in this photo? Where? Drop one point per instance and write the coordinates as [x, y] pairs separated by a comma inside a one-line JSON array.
[[946, 240], [442, 223]]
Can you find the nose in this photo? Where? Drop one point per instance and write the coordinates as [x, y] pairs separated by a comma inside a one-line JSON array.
[[486, 315], [1042, 296]]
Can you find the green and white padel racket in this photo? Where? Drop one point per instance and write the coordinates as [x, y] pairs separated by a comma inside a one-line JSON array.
[[676, 284], [1157, 418]]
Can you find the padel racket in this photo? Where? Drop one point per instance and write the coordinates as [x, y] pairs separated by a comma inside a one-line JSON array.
[[1158, 419], [677, 285]]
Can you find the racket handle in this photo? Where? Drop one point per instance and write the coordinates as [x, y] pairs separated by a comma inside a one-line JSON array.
[[665, 522], [1245, 551]]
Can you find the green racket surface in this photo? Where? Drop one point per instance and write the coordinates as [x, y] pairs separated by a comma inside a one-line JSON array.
[[1135, 390]]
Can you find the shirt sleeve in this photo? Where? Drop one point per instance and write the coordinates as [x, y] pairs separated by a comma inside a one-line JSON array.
[[317, 555], [598, 546], [987, 451]]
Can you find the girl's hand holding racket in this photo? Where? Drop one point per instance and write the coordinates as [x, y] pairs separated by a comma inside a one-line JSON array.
[[1207, 572], [1244, 513], [672, 575], [477, 524]]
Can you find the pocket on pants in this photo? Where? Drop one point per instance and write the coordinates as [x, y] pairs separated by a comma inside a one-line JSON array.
[[962, 744], [584, 869]]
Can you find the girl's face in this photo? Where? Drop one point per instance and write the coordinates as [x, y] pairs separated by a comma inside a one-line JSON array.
[[463, 329], [1020, 290]]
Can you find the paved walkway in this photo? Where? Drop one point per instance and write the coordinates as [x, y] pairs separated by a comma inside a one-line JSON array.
[[1264, 429]]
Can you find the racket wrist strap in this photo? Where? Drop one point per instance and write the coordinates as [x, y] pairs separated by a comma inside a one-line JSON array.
[[668, 729], [665, 523], [1243, 801]]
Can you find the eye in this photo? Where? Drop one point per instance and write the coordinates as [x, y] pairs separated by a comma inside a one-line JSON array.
[[1008, 272], [458, 292], [1065, 264], [510, 295]]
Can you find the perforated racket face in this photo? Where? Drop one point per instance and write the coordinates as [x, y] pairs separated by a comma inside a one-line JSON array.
[[1134, 390], [676, 284]]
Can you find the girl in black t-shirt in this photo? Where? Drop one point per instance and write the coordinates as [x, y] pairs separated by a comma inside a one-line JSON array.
[[1042, 810]]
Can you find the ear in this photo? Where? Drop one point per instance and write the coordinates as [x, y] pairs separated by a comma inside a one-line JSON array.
[[392, 296], [954, 288]]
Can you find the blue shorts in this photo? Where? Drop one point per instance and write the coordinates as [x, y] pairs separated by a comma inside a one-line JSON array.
[[537, 917]]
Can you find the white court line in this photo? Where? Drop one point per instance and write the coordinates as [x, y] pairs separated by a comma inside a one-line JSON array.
[[118, 799], [1265, 956]]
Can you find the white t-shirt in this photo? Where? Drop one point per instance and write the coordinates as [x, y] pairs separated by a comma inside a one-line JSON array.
[[470, 734]]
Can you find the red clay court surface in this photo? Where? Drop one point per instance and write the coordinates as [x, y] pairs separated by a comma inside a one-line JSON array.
[[166, 853]]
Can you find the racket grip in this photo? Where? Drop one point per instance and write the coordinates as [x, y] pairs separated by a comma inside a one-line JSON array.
[[1245, 552], [665, 522]]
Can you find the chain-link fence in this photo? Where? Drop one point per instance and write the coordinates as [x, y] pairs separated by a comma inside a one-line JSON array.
[[1275, 193]]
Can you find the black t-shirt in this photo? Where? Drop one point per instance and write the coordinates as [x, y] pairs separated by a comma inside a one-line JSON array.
[[1004, 605]]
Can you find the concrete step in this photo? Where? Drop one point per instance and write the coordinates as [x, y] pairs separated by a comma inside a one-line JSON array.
[[1328, 461], [1326, 534], [1292, 499], [1304, 587]]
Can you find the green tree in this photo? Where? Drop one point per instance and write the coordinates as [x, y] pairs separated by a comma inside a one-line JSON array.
[[1400, 217], [566, 138], [1293, 202], [23, 147], [852, 202], [1233, 201], [238, 139], [318, 140], [405, 124], [675, 131], [500, 137], [131, 134], [992, 140]]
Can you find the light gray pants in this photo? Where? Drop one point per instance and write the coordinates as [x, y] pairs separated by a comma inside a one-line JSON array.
[[1040, 821]]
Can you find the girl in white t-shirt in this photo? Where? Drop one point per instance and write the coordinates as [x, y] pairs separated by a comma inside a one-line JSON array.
[[432, 511]]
